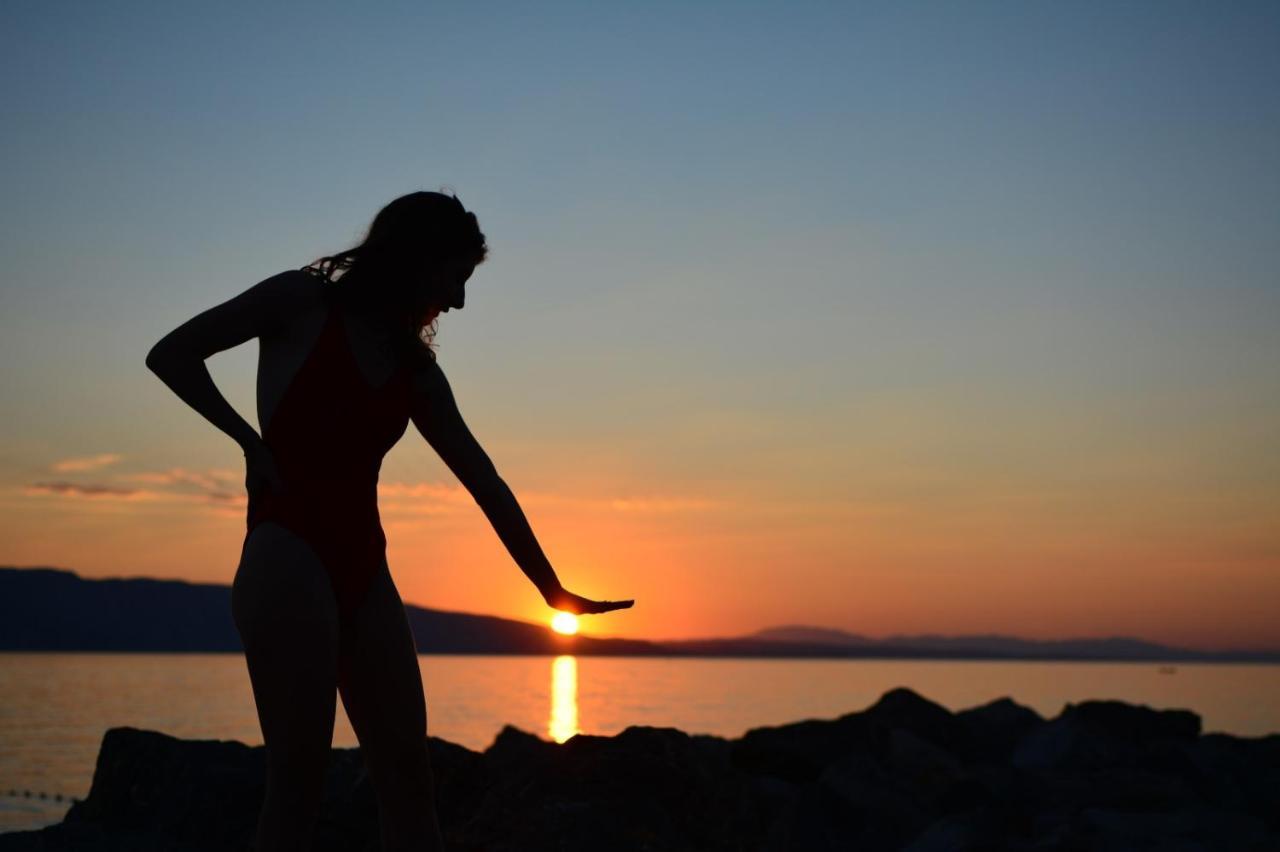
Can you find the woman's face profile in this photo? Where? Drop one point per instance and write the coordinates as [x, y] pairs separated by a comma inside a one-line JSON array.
[[443, 286]]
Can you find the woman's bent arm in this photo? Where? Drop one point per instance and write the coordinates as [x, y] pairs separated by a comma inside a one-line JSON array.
[[178, 359], [191, 381]]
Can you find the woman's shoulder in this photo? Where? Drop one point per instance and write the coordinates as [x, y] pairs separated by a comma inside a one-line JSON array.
[[417, 360], [294, 284], [423, 373], [306, 279], [307, 286], [290, 297]]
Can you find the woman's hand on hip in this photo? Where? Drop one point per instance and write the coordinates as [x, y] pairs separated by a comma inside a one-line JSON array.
[[260, 469]]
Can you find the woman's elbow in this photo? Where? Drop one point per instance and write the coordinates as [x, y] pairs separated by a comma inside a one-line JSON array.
[[162, 356], [156, 358]]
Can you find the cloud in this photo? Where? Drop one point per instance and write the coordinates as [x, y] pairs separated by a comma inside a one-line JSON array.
[[94, 490], [422, 498], [438, 498], [663, 504], [232, 511], [642, 504], [425, 490], [220, 491], [83, 463], [207, 488], [213, 480]]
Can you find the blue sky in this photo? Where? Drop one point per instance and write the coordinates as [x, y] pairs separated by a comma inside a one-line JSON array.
[[874, 254]]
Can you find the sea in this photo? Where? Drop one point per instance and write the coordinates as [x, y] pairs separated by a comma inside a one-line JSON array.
[[55, 707]]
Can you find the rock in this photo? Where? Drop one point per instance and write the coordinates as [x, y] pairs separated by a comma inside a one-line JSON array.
[[975, 832], [947, 835], [461, 780], [1126, 720], [1096, 734], [1239, 773], [857, 804], [646, 788], [800, 751], [921, 767], [901, 708], [1193, 829], [994, 729], [903, 774]]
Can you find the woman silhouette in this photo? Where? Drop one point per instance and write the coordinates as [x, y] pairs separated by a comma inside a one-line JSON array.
[[345, 362]]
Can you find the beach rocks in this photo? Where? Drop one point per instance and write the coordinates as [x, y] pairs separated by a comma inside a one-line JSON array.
[[904, 774], [1097, 734]]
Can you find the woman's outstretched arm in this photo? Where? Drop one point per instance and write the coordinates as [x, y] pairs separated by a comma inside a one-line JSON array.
[[435, 414]]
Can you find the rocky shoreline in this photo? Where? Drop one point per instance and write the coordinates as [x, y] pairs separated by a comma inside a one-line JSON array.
[[904, 774]]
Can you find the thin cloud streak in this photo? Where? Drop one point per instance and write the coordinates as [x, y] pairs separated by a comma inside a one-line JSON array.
[[92, 490], [394, 497], [664, 504], [439, 498], [211, 480], [101, 491], [84, 463]]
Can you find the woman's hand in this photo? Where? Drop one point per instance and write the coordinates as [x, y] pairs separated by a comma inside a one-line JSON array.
[[260, 469], [578, 605]]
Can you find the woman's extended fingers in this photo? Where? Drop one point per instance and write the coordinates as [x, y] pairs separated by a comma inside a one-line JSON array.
[[577, 604], [588, 607], [597, 607]]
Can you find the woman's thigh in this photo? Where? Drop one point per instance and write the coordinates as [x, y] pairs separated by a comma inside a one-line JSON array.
[[381, 689], [287, 617]]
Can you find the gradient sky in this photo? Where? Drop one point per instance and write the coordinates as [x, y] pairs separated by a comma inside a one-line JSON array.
[[888, 317]]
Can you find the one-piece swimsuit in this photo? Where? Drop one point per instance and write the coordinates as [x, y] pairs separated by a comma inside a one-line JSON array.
[[327, 436]]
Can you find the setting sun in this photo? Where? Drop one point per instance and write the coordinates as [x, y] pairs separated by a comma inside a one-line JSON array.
[[565, 622]]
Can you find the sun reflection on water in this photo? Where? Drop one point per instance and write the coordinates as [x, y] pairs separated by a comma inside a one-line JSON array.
[[564, 698]]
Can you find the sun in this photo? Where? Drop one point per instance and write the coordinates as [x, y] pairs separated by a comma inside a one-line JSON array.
[[564, 622]]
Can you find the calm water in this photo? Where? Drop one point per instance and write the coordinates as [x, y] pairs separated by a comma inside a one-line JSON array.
[[54, 708]]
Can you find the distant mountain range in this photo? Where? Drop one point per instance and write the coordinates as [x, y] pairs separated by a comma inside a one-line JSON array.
[[51, 609], [1115, 647]]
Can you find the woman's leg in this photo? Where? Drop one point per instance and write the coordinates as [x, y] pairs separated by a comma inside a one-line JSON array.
[[287, 617], [381, 688]]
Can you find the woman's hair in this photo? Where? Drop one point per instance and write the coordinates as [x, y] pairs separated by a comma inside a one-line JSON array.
[[419, 227]]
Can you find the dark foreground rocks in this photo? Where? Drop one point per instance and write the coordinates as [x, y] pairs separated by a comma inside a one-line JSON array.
[[904, 774]]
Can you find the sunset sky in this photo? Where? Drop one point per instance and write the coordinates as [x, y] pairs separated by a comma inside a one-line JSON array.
[[893, 318]]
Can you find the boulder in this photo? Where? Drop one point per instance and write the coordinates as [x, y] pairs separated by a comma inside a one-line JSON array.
[[1097, 734], [903, 774], [905, 710], [994, 729]]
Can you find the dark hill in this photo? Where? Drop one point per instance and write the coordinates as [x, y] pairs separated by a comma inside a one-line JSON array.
[[51, 609]]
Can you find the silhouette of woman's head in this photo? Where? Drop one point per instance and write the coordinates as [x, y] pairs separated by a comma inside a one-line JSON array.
[[413, 262]]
